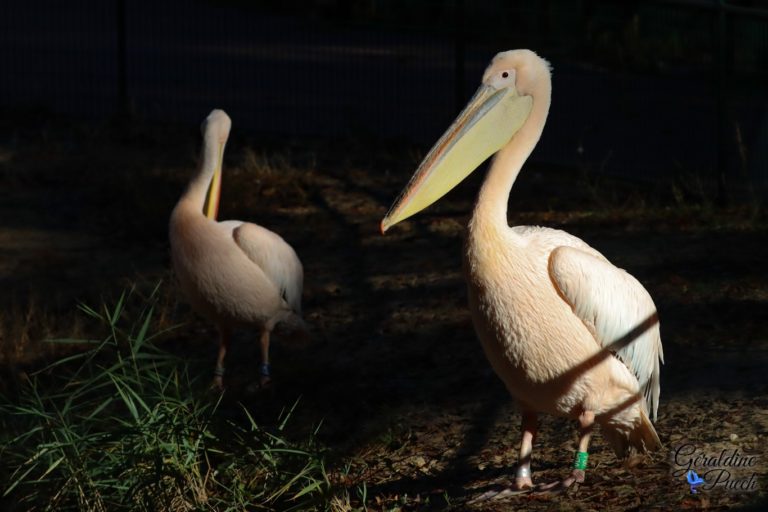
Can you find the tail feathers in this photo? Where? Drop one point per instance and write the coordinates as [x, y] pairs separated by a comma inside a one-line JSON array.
[[626, 439], [292, 326]]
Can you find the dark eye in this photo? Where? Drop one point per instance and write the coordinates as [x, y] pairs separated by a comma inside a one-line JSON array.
[[504, 75]]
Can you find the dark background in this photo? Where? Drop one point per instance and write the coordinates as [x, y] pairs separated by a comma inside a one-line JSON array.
[[648, 89]]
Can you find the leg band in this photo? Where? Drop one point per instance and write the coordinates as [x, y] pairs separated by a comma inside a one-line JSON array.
[[580, 462], [219, 371], [265, 370], [523, 472]]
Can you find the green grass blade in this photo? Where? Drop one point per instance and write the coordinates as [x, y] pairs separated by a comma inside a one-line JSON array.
[[141, 336], [127, 400], [17, 481]]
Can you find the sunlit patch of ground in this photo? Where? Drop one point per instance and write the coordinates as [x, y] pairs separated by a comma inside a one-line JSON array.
[[411, 413]]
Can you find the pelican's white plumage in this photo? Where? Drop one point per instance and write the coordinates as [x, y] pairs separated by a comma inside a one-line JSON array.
[[276, 258], [233, 273], [566, 331], [608, 300]]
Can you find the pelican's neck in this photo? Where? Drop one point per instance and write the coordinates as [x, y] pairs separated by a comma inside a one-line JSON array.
[[210, 158], [491, 207]]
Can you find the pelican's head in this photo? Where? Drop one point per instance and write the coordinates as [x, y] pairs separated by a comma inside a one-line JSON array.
[[216, 127], [495, 113], [528, 69], [215, 130]]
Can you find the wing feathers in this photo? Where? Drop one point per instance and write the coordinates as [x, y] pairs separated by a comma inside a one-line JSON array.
[[276, 259], [617, 309]]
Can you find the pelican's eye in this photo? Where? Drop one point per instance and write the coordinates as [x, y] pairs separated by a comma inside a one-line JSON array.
[[502, 78]]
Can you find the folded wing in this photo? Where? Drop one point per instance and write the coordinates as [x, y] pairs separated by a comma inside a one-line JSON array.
[[276, 259], [613, 304]]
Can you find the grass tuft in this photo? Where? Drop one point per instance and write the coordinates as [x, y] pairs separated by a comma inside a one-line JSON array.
[[127, 425]]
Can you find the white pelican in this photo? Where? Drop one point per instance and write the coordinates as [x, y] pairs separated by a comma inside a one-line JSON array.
[[566, 331], [233, 273]]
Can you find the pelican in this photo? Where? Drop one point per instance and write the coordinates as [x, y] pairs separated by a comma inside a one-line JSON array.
[[567, 332], [233, 273]]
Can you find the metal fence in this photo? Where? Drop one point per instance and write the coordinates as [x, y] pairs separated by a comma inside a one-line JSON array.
[[646, 88]]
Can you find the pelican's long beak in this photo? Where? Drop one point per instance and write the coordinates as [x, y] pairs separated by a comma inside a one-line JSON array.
[[485, 125], [214, 190]]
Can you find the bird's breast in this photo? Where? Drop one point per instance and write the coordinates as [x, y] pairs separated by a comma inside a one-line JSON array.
[[529, 334]]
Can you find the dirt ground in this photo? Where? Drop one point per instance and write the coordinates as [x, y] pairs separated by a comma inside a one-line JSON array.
[[394, 375]]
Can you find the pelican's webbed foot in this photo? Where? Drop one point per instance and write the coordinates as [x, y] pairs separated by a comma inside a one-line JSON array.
[[576, 477]]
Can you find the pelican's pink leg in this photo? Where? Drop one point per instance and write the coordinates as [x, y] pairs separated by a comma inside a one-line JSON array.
[[523, 474], [265, 369], [523, 482], [218, 372], [586, 424]]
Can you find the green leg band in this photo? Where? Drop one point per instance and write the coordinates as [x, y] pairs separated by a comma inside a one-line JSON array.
[[581, 460]]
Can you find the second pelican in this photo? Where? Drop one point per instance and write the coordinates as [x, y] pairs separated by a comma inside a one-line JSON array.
[[233, 273], [566, 331]]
